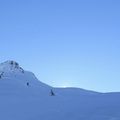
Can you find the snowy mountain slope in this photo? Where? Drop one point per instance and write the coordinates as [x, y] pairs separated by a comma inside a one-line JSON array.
[[23, 97], [14, 78]]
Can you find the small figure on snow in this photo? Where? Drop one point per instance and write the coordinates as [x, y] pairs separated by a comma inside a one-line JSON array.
[[52, 93], [1, 75], [27, 83]]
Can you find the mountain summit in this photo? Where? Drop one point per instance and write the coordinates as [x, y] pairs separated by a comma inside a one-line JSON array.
[[10, 66]]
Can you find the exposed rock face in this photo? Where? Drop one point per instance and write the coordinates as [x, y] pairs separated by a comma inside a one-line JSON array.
[[10, 66]]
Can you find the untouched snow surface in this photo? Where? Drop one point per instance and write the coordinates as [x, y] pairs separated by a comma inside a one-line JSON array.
[[23, 97]]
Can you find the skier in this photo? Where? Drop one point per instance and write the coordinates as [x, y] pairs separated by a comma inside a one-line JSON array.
[[1, 75], [27, 83], [52, 93]]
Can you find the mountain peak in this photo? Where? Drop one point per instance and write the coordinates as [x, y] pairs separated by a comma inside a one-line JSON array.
[[10, 65], [10, 62]]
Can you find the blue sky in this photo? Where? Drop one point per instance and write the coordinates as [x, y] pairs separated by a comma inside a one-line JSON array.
[[74, 43]]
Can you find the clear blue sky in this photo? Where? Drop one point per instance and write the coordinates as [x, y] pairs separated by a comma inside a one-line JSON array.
[[73, 43]]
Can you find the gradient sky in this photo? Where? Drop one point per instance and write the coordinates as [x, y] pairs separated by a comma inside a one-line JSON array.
[[73, 43]]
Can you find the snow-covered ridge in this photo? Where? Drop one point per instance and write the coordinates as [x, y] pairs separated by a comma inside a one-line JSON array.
[[12, 73]]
